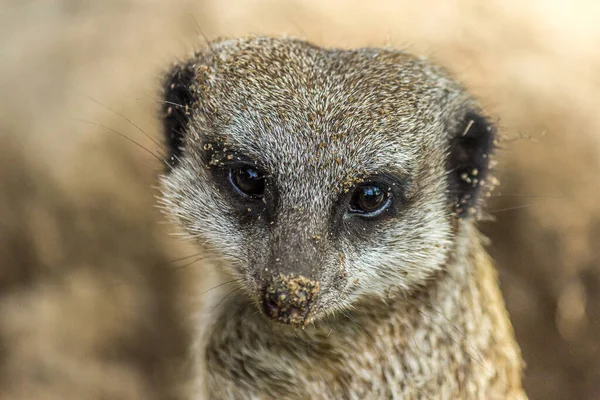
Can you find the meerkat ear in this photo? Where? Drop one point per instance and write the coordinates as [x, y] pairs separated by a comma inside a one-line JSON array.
[[177, 104], [471, 148]]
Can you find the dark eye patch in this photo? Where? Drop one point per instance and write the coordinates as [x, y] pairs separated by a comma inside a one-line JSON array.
[[243, 182], [360, 208], [360, 224]]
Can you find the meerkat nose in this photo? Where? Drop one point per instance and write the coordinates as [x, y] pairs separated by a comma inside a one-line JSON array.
[[288, 299]]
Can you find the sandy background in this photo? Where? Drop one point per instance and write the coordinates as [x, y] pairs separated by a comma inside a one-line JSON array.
[[90, 297]]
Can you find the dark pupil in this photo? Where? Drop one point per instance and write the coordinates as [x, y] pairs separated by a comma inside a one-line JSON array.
[[369, 198], [249, 181]]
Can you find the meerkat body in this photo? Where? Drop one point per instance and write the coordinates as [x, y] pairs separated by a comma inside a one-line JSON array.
[[337, 187]]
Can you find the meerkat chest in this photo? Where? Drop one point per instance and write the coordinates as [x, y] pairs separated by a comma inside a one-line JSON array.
[[391, 363]]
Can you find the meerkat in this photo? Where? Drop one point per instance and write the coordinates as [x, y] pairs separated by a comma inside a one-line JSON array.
[[338, 190]]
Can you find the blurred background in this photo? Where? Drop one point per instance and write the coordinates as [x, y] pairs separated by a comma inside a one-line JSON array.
[[92, 294]]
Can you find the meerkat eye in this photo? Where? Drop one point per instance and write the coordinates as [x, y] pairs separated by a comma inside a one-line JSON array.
[[370, 200], [247, 181]]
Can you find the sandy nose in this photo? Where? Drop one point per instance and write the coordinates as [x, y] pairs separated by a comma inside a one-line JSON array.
[[288, 299]]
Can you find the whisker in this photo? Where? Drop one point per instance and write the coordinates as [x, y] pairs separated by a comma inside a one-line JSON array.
[[122, 135], [204, 36], [161, 102], [500, 194], [511, 208], [521, 136], [182, 258], [527, 195], [179, 268], [224, 297], [218, 286], [136, 126]]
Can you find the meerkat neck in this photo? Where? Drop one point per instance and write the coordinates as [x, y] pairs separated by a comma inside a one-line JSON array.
[[453, 337]]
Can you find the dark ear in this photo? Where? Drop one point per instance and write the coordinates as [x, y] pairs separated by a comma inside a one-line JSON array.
[[178, 101], [471, 148]]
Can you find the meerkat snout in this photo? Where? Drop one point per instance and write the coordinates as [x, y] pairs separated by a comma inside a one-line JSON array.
[[288, 299]]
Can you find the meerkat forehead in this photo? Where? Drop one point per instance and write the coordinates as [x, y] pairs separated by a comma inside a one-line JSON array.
[[333, 115]]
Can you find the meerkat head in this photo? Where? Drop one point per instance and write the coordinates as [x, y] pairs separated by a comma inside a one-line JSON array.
[[316, 176]]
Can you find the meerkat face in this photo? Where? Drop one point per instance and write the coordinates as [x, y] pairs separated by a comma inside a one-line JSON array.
[[316, 176]]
